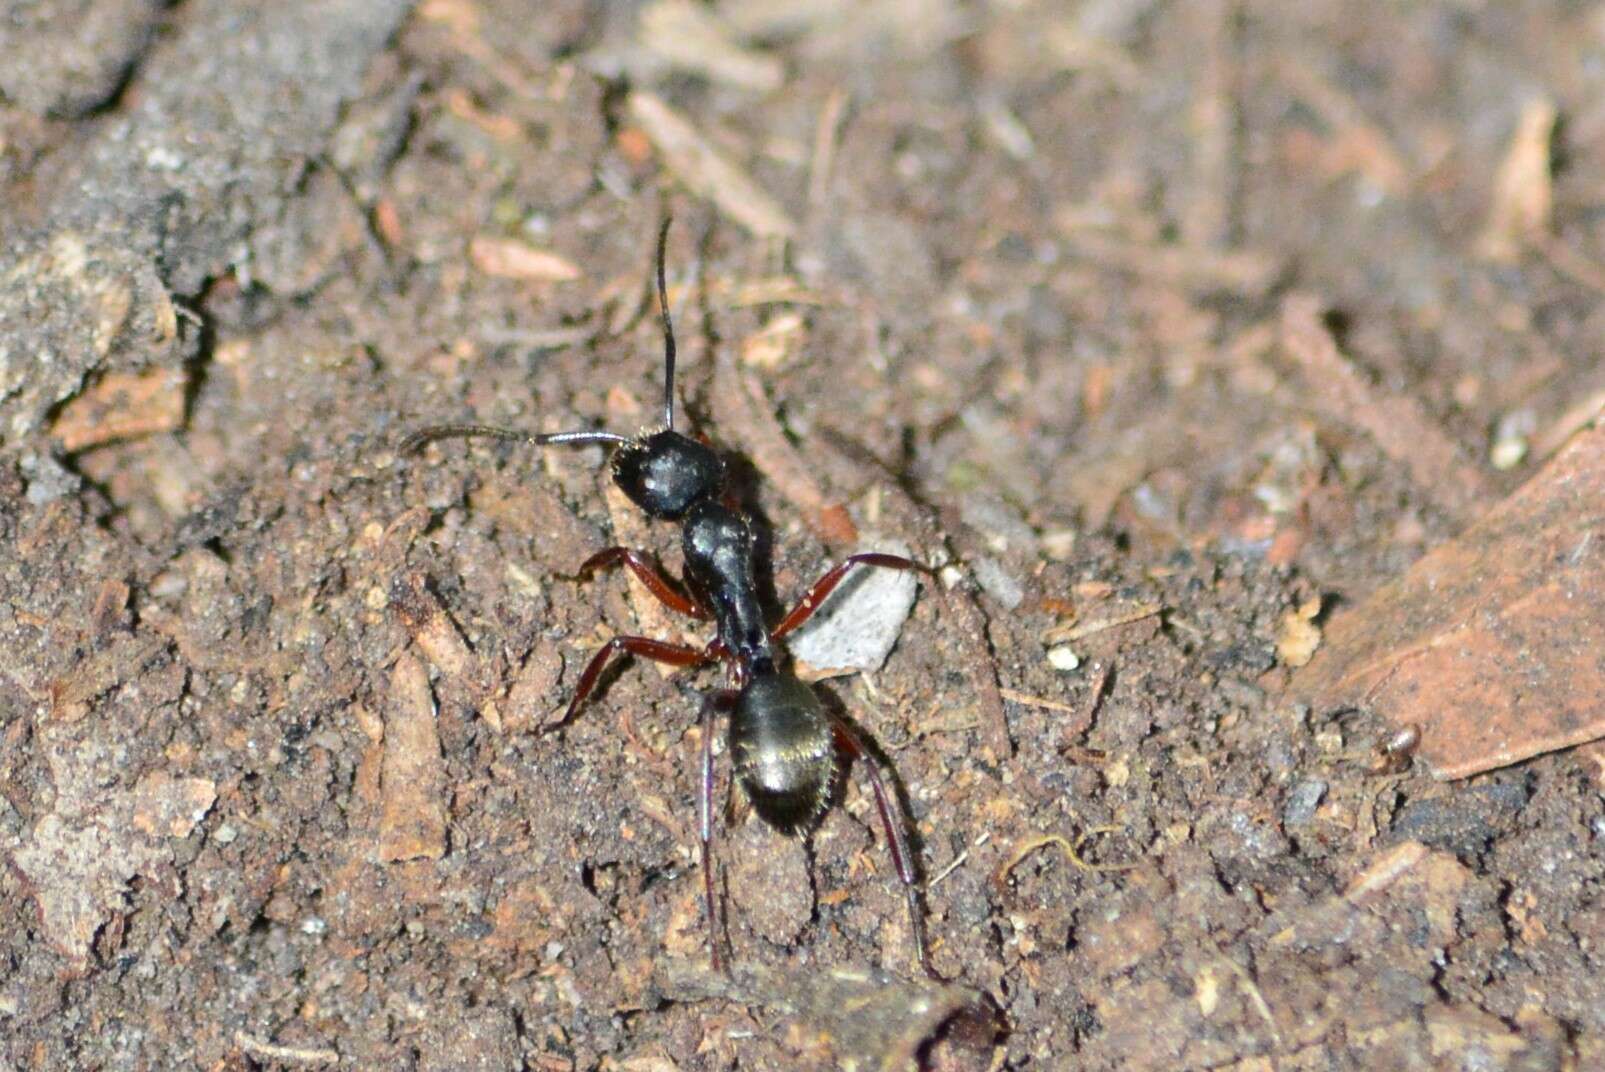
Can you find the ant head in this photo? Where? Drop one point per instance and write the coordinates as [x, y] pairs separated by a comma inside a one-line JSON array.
[[666, 472]]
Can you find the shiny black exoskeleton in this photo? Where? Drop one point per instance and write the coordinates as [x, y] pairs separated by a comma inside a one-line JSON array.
[[785, 746]]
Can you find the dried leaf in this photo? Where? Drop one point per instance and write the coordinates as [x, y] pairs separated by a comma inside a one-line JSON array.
[[1490, 643]]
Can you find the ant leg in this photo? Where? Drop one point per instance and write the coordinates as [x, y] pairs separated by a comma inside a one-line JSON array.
[[718, 701], [647, 572], [657, 650], [895, 823], [823, 587]]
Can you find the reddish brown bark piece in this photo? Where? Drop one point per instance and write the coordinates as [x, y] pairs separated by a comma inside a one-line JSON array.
[[1492, 644]]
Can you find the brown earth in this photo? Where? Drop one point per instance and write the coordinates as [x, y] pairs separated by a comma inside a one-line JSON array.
[[1174, 327]]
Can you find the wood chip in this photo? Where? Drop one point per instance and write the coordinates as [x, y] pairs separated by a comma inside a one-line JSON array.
[[706, 171], [1078, 630], [1297, 635], [267, 1051], [431, 627], [1524, 189], [122, 405], [694, 38], [970, 628], [774, 344], [412, 821], [508, 258], [1242, 271]]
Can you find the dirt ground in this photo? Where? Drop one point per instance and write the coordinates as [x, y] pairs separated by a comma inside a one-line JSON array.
[[1013, 282]]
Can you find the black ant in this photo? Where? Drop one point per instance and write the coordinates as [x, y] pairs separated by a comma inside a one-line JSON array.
[[784, 744]]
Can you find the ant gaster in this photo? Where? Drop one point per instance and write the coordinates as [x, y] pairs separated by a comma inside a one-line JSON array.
[[784, 744]]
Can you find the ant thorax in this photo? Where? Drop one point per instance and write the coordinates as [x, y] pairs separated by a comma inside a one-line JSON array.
[[717, 542]]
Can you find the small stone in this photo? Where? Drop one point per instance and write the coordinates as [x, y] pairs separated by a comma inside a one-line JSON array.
[[1508, 453], [858, 624], [1062, 658], [1302, 802]]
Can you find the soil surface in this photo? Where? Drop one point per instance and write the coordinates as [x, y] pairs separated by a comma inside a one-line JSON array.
[[1019, 284]]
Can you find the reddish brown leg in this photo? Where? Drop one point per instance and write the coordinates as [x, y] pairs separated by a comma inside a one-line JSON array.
[[648, 574], [823, 587], [895, 823], [657, 650], [719, 701]]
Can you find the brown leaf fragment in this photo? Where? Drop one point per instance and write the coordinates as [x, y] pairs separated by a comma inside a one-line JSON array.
[[706, 171], [1490, 643], [1524, 189], [509, 258], [412, 780], [122, 405]]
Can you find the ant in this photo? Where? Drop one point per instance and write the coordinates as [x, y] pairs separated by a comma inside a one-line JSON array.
[[785, 746]]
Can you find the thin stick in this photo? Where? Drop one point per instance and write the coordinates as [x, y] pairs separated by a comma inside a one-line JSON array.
[[268, 1051]]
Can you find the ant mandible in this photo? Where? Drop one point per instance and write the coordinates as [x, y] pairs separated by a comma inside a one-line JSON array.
[[785, 746]]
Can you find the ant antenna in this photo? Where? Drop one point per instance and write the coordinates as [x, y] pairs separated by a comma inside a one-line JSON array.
[[668, 329], [463, 431]]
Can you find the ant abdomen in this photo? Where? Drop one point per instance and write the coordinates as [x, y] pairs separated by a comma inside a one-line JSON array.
[[783, 750]]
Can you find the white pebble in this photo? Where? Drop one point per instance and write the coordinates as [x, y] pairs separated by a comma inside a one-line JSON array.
[[1062, 658]]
